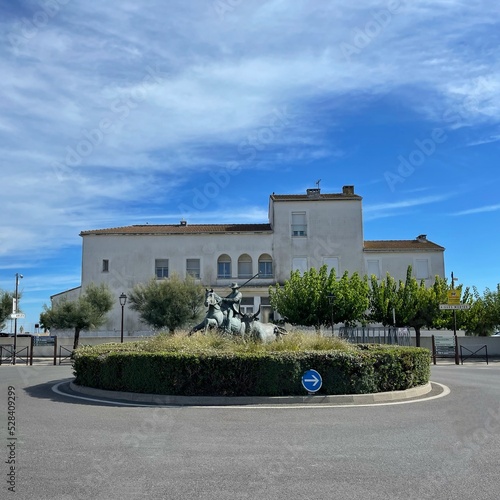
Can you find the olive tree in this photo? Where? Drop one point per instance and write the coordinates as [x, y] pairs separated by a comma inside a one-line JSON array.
[[87, 312], [170, 303], [6, 299]]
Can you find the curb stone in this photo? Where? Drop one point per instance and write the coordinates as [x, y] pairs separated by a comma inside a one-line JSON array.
[[343, 399]]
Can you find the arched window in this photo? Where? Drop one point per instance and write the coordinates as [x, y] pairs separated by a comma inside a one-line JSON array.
[[224, 266], [265, 266], [245, 266]]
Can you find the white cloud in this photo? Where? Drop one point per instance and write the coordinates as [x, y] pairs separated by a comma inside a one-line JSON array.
[[218, 81], [413, 202], [485, 140], [479, 210]]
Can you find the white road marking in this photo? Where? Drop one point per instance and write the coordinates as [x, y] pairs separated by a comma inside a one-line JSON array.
[[446, 391]]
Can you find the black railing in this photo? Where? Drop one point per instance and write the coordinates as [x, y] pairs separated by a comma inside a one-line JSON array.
[[474, 351], [64, 354], [376, 335], [6, 352]]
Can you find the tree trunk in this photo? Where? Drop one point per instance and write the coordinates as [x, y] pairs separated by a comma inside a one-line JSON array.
[[77, 337], [417, 336]]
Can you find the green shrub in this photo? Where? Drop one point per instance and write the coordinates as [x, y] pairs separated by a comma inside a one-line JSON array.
[[212, 365]]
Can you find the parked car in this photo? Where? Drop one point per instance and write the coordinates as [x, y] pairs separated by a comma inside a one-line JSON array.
[[497, 334]]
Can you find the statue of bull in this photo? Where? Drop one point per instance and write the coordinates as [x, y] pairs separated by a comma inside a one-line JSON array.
[[261, 332]]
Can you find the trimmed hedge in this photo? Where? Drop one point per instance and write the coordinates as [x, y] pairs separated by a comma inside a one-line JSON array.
[[360, 370]]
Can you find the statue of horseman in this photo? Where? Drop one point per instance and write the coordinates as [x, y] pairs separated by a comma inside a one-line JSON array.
[[231, 305], [222, 311]]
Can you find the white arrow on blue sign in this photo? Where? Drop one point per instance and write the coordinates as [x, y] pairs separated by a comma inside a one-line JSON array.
[[312, 381]]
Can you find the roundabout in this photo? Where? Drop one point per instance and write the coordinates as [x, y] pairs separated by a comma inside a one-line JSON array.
[[92, 446], [427, 392]]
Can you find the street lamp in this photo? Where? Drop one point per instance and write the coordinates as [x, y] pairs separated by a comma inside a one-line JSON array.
[[331, 299], [15, 309], [123, 301], [453, 279]]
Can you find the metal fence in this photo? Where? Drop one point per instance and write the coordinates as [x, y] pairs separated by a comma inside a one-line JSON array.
[[376, 335]]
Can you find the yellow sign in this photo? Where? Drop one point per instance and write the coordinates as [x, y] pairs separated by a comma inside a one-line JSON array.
[[453, 296]]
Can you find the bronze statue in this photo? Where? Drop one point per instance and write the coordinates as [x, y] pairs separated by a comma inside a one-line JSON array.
[[230, 305]]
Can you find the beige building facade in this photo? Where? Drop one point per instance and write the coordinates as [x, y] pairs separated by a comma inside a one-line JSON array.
[[304, 231]]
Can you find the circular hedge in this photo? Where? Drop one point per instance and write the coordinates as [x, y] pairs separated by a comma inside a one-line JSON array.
[[213, 369]]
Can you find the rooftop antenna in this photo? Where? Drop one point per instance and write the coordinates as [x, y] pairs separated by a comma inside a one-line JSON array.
[[317, 182]]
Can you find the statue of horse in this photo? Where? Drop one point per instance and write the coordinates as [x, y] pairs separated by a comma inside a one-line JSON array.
[[217, 318]]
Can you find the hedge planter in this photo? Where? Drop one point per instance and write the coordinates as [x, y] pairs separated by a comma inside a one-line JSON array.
[[360, 369]]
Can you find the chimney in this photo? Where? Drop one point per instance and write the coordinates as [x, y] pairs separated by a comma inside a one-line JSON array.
[[348, 190], [183, 222], [422, 238], [314, 193]]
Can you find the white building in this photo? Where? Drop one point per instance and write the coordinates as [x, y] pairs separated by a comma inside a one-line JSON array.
[[304, 231]]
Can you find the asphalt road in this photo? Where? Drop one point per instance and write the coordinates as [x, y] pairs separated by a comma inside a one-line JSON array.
[[72, 449]]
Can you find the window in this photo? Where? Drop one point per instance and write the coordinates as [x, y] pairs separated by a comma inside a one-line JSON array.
[[224, 266], [105, 266], [161, 268], [266, 311], [245, 266], [265, 266], [299, 264], [373, 268], [193, 267], [299, 224], [332, 263], [246, 306], [421, 269]]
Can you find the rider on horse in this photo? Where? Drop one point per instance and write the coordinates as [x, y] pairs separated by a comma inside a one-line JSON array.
[[229, 303]]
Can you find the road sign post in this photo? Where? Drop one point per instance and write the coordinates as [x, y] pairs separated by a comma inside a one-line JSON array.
[[312, 381], [17, 316], [454, 307]]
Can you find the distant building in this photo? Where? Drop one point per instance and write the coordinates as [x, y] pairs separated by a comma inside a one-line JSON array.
[[304, 231]]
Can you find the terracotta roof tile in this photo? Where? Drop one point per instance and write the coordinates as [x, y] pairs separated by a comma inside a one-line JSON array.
[[182, 229], [396, 245]]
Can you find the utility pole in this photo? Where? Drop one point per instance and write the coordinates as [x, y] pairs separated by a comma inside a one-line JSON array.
[[15, 310]]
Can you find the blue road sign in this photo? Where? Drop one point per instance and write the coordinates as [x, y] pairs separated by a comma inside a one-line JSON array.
[[311, 381]]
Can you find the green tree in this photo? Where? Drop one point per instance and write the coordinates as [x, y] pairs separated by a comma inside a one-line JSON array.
[[483, 317], [492, 302], [419, 304], [304, 300], [350, 299], [85, 313], [410, 303], [384, 300], [5, 307], [449, 319], [168, 303]]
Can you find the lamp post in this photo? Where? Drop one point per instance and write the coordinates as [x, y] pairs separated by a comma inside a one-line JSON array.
[[15, 309], [453, 279], [123, 301], [331, 299]]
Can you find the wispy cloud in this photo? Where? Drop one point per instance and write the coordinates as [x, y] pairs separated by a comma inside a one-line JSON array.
[[485, 140], [114, 113], [479, 210], [394, 208], [397, 205]]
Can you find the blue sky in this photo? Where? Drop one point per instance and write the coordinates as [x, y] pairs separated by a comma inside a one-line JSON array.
[[118, 113]]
